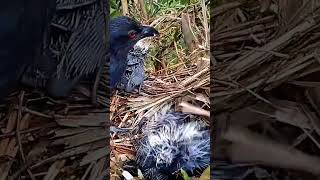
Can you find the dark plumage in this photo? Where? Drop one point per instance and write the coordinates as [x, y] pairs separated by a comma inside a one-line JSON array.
[[173, 142], [77, 48], [85, 51], [124, 34], [23, 25], [134, 76]]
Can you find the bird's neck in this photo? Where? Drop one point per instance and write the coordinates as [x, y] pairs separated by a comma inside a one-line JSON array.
[[121, 49]]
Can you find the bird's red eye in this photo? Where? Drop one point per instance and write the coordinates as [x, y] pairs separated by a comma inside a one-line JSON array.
[[132, 34]]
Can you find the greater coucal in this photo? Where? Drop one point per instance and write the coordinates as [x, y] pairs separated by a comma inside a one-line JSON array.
[[77, 48], [84, 54], [124, 34], [173, 142]]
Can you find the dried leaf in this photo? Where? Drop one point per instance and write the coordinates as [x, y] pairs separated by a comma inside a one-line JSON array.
[[206, 174]]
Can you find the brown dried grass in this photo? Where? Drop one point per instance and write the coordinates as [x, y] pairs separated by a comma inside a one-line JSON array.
[[266, 73], [183, 85]]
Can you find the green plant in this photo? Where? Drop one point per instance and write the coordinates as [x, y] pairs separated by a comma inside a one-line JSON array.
[[115, 8], [160, 7]]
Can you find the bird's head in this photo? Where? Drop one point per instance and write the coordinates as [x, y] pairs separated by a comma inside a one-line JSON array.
[[125, 32]]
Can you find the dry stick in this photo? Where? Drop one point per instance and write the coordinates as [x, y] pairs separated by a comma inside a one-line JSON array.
[[312, 102], [187, 34], [8, 146], [252, 147], [63, 155], [11, 151], [36, 175], [189, 108], [312, 118], [311, 137], [177, 52], [142, 6], [7, 135], [19, 118], [105, 172], [11, 124], [125, 9], [205, 21], [97, 170], [223, 8], [256, 95], [297, 14], [45, 161], [54, 170], [84, 177], [243, 26], [36, 113], [271, 52], [245, 62], [301, 138]]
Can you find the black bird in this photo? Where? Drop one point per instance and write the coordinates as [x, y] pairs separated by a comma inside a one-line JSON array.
[[23, 26], [85, 51], [77, 48], [172, 142], [124, 34]]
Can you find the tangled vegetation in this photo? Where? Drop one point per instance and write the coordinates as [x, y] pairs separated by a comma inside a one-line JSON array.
[[177, 70]]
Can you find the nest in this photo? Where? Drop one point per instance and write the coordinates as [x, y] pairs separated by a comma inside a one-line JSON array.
[[42, 137], [45, 138], [178, 78], [265, 78]]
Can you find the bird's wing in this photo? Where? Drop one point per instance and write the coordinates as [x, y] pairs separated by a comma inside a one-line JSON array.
[[76, 17], [134, 78], [37, 74], [135, 75], [73, 4], [118, 65], [86, 49]]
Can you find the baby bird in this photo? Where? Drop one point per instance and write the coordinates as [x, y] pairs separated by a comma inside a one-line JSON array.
[[175, 141]]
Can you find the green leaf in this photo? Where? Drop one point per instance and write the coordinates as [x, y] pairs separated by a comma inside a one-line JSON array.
[[185, 2], [184, 174], [114, 3], [114, 13]]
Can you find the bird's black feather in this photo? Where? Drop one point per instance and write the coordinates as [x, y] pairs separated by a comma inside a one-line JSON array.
[[85, 51], [73, 4], [77, 48], [135, 75], [85, 48], [73, 14], [121, 44]]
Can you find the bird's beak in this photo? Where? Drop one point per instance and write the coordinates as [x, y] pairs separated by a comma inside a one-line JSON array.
[[148, 31]]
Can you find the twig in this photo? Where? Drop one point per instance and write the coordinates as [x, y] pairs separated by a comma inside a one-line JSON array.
[[19, 118]]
